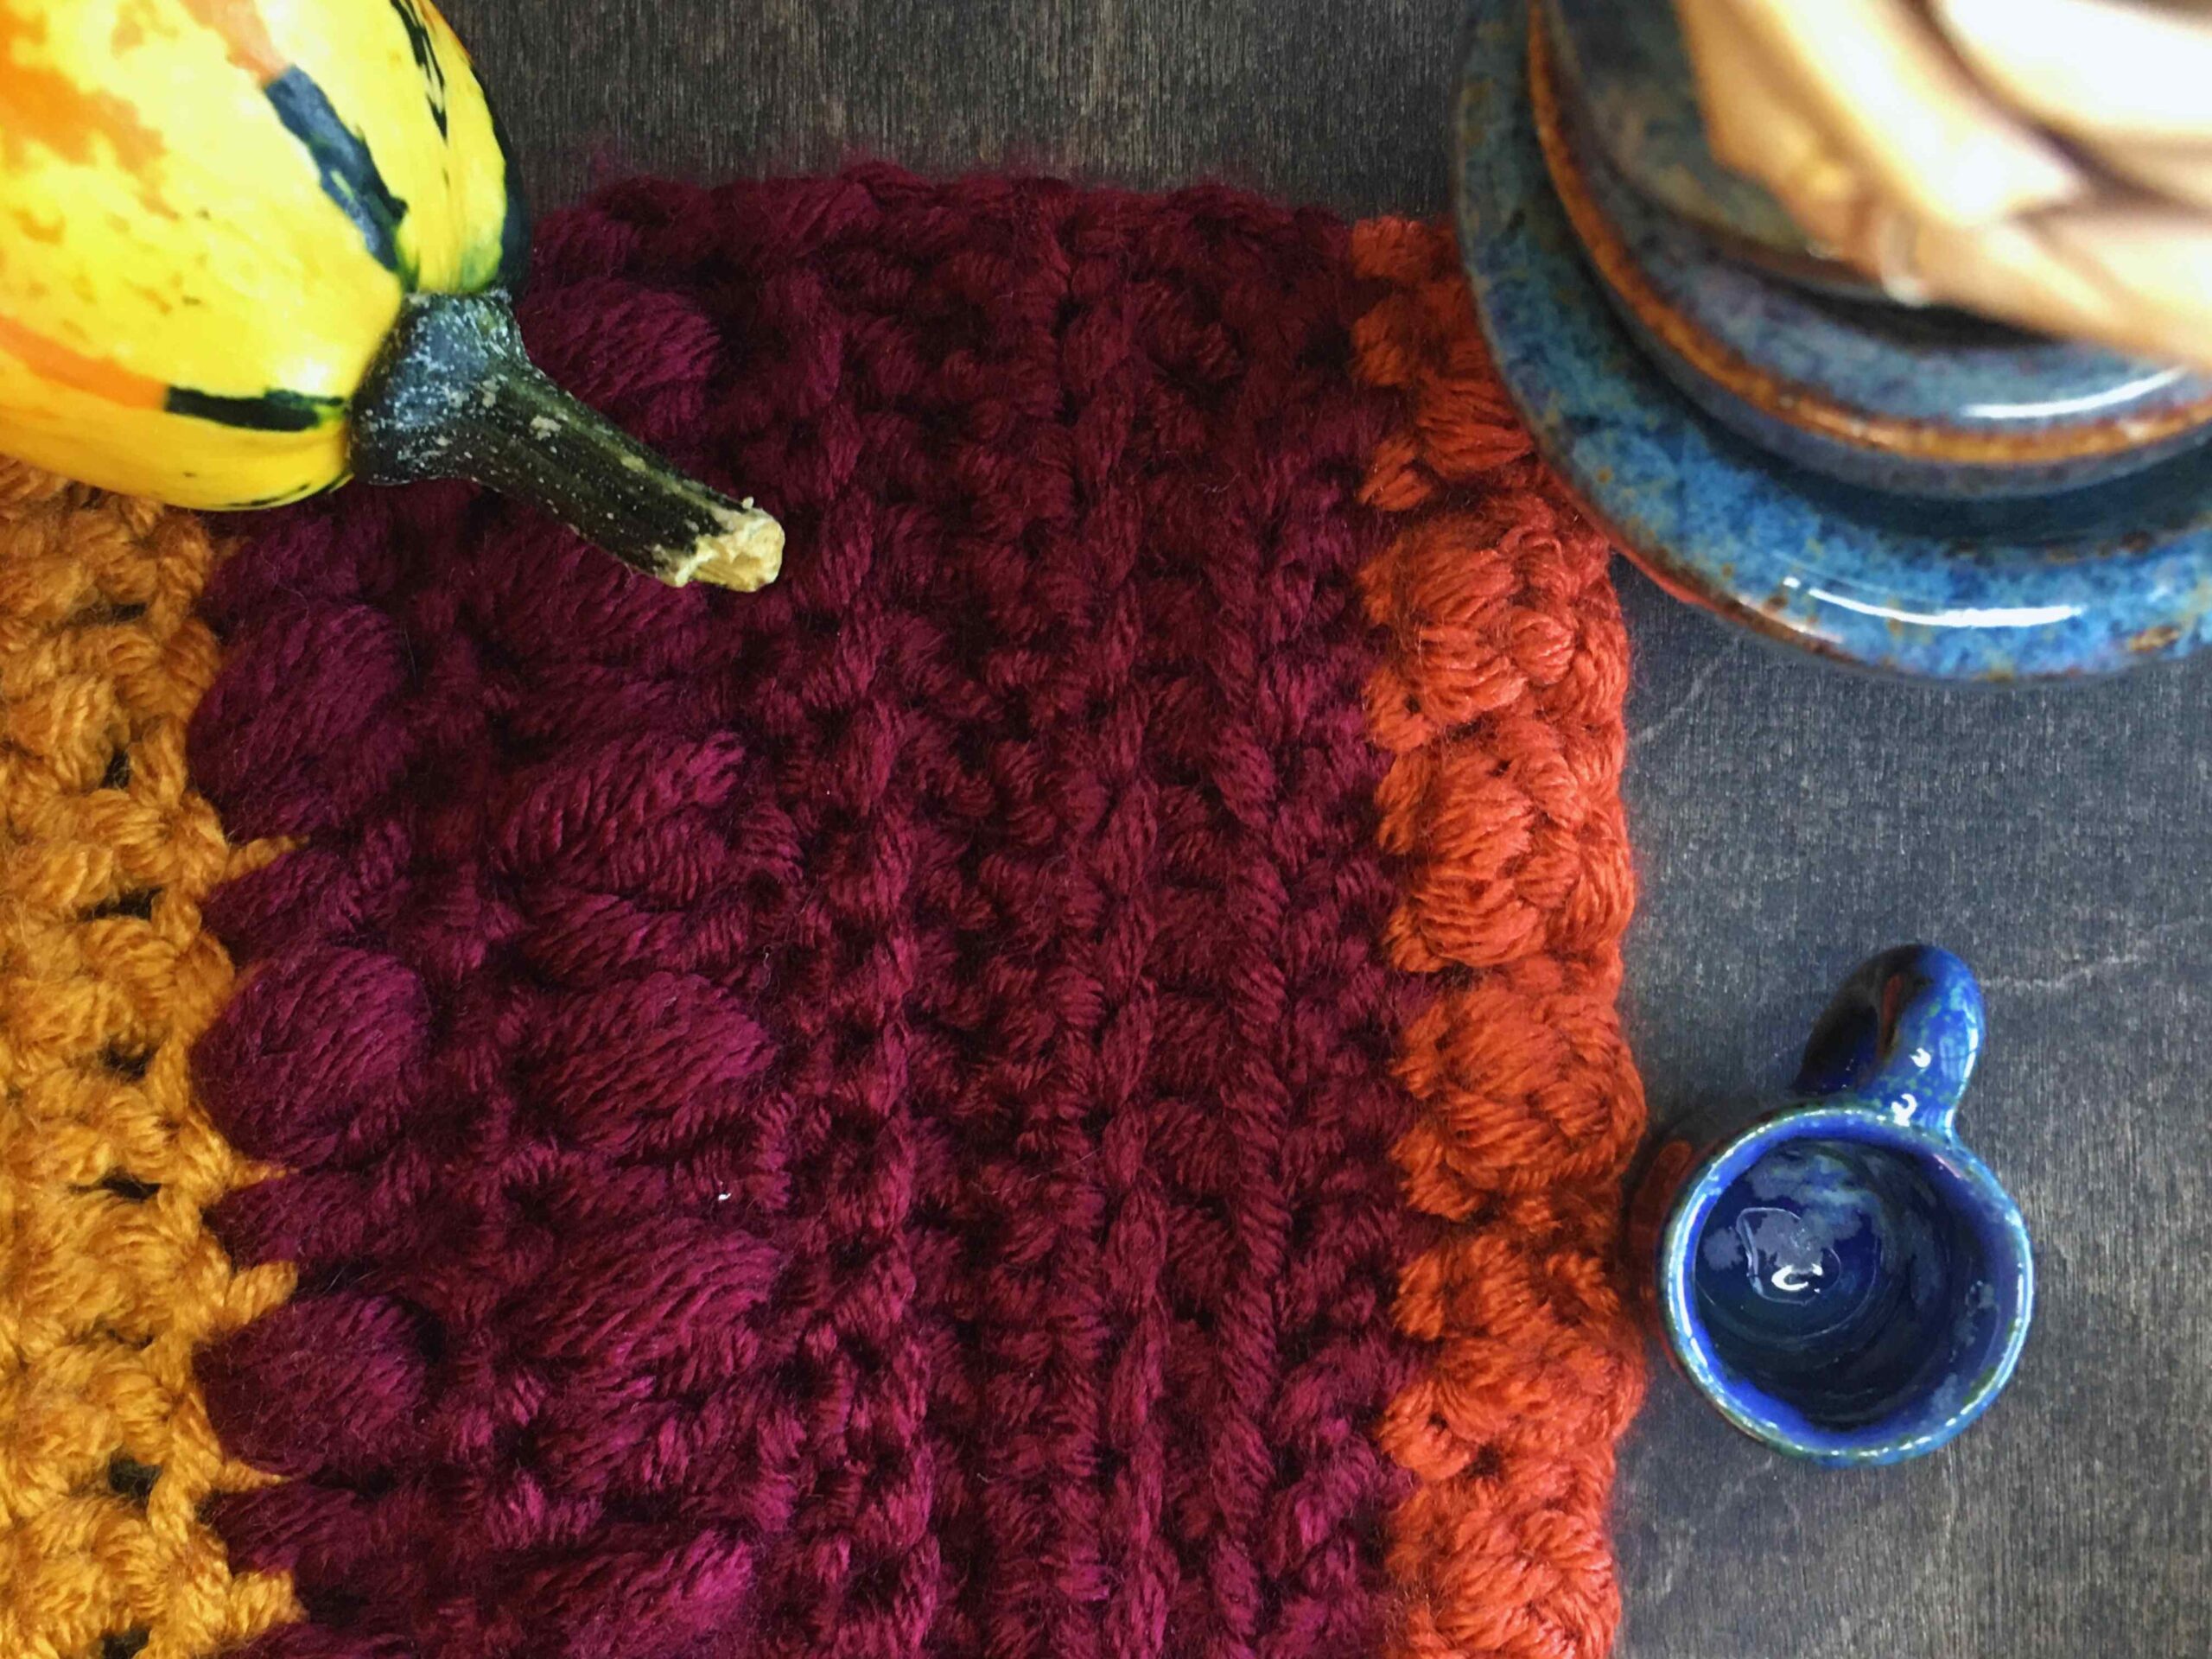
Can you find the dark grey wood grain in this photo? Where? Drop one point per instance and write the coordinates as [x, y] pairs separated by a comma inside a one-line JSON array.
[[1788, 818], [1332, 101]]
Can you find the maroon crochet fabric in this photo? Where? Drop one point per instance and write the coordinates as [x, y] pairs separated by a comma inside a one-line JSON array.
[[853, 1120]]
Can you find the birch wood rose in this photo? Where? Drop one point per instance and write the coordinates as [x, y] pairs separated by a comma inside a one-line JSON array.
[[2048, 162]]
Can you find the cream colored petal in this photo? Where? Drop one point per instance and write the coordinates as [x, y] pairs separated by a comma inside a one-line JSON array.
[[2182, 173], [2056, 275], [1877, 76], [2009, 271], [1754, 127], [1749, 124], [2160, 258], [2101, 68]]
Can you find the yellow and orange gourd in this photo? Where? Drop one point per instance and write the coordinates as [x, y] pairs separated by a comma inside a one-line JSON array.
[[251, 248]]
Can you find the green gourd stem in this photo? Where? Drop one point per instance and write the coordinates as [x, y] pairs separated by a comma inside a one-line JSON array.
[[452, 394]]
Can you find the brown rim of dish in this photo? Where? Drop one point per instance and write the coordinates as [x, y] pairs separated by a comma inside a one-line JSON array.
[[1787, 400]]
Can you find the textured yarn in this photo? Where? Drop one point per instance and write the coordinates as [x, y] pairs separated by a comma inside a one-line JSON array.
[[1498, 698], [853, 1120], [108, 1279], [1045, 1089]]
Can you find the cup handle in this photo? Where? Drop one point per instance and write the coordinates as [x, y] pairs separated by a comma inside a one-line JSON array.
[[1904, 1031]]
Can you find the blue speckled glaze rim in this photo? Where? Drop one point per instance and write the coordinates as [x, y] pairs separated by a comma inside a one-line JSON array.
[[1701, 1190], [1962, 591]]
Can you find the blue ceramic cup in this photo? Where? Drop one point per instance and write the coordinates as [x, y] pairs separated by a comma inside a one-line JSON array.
[[1843, 1278]]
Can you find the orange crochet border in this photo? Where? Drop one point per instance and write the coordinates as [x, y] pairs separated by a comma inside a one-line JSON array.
[[109, 1280], [1499, 699]]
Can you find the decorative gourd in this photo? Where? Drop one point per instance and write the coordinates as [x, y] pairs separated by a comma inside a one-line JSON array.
[[250, 248]]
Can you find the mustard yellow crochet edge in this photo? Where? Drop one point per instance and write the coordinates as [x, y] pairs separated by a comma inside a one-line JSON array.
[[108, 1278]]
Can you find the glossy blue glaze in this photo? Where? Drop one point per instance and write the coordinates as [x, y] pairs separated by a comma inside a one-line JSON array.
[[2087, 582], [1905, 1031], [1842, 1279]]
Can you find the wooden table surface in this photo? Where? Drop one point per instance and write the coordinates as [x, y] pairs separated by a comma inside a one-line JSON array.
[[1788, 818]]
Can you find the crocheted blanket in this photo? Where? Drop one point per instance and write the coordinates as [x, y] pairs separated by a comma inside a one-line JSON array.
[[1046, 1088]]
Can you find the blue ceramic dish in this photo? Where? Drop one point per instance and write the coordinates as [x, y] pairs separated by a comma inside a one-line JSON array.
[[1843, 1279], [1630, 74], [2087, 580], [1827, 375], [1912, 403]]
